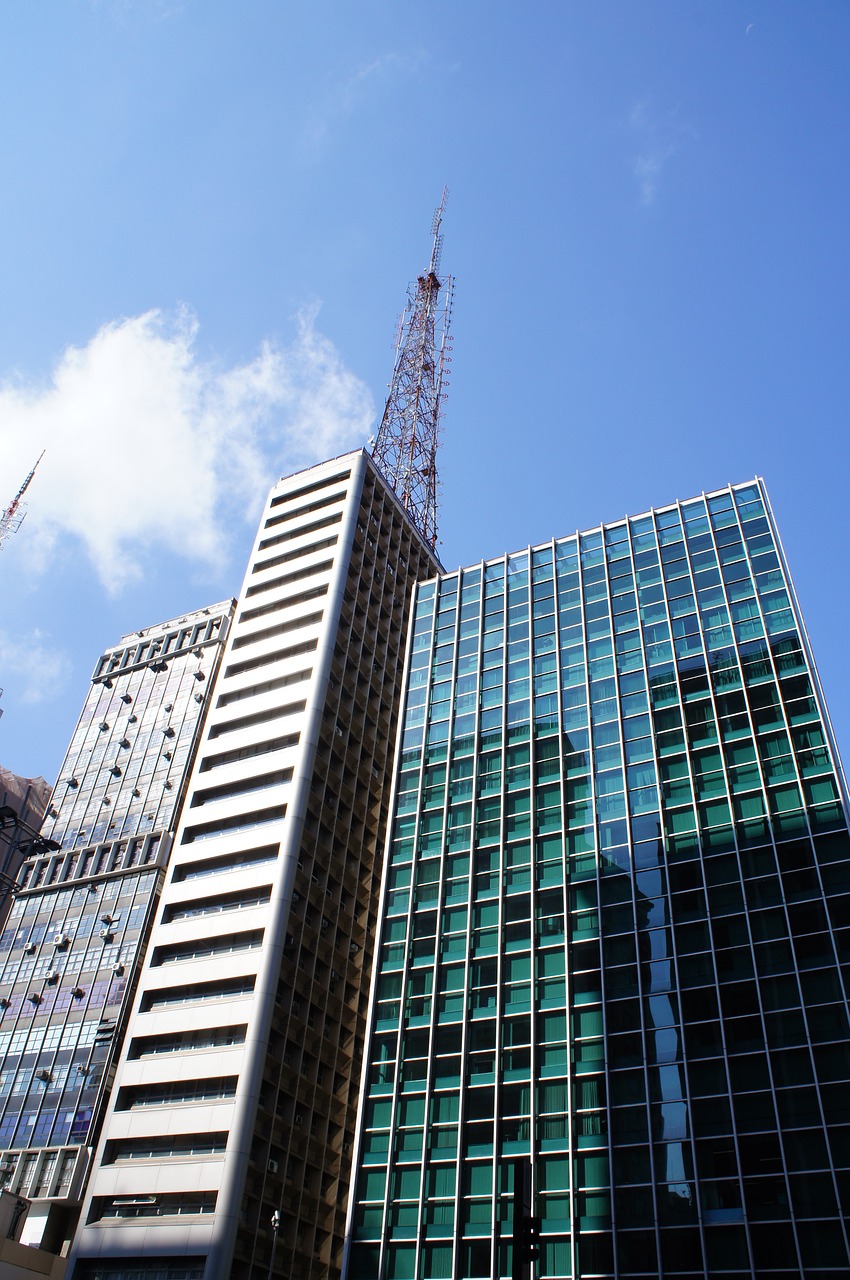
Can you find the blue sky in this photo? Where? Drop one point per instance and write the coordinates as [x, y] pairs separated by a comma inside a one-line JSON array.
[[209, 214]]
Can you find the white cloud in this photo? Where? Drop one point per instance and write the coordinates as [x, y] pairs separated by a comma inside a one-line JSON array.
[[149, 447], [38, 671], [657, 139]]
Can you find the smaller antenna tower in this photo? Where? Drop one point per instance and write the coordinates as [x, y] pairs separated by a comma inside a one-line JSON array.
[[406, 444], [12, 518]]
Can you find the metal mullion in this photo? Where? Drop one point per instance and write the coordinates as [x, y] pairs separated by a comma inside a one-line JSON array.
[[602, 984], [568, 971], [675, 674], [597, 846], [785, 721], [429, 1070], [494, 1194], [648, 1106], [836, 769], [396, 1094], [568, 976], [805, 644], [568, 929], [726, 780], [747, 921], [533, 888], [457, 1235], [716, 983], [501, 954], [836, 772]]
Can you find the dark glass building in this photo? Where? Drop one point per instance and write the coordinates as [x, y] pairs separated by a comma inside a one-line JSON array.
[[615, 923]]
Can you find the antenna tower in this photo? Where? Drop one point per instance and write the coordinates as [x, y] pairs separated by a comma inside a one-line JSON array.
[[406, 444], [12, 518]]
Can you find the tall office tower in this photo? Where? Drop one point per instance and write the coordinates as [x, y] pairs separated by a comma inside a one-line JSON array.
[[235, 1096], [70, 951], [615, 911]]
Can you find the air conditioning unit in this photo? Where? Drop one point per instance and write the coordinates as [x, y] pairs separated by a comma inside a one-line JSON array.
[[44, 1074], [298, 1118], [53, 976], [30, 949], [6, 1169], [273, 1166], [61, 940], [5, 1002], [78, 992], [118, 968], [106, 934], [106, 918], [35, 998]]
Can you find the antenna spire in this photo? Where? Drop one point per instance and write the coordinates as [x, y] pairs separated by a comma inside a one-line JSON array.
[[12, 518], [406, 444]]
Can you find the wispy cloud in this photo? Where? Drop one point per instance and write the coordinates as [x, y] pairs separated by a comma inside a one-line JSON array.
[[343, 98], [657, 137], [38, 671], [150, 447]]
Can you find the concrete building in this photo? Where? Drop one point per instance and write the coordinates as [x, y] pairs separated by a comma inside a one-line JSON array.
[[615, 920], [227, 1142], [74, 937], [19, 1261], [23, 802]]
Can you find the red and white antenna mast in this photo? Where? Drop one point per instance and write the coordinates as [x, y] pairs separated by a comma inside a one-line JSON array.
[[406, 444], [12, 518]]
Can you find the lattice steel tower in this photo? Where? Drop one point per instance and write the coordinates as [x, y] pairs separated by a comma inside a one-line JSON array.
[[406, 444], [11, 518]]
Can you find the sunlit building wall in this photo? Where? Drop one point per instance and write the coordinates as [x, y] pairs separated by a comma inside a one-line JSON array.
[[615, 921], [236, 1092]]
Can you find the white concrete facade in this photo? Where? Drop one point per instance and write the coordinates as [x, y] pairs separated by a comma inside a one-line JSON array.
[[181, 1167]]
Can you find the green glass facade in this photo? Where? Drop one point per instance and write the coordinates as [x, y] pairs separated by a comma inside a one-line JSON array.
[[615, 925]]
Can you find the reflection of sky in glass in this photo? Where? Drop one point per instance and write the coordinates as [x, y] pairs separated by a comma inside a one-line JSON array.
[[644, 693]]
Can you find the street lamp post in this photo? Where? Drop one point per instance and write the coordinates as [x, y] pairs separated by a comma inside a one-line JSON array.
[[275, 1220]]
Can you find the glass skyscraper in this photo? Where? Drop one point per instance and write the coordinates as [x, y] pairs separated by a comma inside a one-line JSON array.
[[615, 919], [74, 939]]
